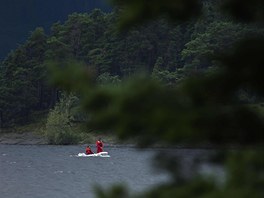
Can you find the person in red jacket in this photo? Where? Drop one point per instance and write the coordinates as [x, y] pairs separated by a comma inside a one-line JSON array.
[[88, 150], [99, 145]]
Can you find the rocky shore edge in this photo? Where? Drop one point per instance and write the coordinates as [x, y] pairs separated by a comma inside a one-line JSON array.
[[28, 138], [32, 138]]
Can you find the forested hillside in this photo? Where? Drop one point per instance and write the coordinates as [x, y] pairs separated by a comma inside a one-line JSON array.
[[161, 49], [18, 17]]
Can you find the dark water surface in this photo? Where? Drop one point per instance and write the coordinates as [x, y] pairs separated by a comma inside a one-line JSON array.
[[54, 171]]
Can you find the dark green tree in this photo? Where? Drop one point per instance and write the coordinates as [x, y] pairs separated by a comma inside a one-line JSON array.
[[24, 82]]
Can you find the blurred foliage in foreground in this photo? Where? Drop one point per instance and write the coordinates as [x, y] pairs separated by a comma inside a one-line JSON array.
[[203, 109]]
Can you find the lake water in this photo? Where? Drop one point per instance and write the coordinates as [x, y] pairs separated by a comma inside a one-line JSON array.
[[55, 171]]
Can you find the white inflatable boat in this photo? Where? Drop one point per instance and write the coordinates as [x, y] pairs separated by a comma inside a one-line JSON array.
[[101, 154]]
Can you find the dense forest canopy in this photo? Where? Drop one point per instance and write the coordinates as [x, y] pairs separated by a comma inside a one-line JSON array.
[[160, 48], [19, 17]]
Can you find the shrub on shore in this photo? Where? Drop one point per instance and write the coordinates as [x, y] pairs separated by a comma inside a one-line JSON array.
[[58, 126]]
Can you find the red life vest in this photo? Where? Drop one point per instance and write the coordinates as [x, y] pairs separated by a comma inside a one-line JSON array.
[[88, 151], [99, 145]]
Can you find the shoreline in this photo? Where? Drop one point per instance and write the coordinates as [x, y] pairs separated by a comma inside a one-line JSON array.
[[26, 138], [31, 138]]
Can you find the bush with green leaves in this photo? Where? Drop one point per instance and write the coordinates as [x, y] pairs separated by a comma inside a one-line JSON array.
[[59, 128]]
